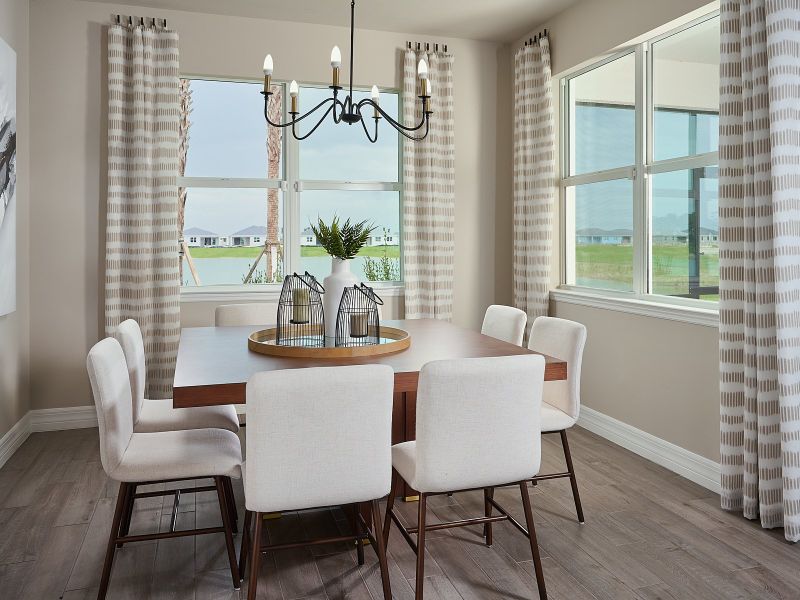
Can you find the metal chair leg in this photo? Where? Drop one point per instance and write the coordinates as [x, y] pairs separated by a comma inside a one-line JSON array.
[[572, 480], [256, 558], [112, 540], [537, 559], [127, 511], [488, 493], [423, 501], [387, 521], [224, 509], [248, 518], [380, 549]]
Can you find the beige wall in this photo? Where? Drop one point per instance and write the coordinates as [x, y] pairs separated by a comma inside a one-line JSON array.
[[68, 46], [14, 332], [657, 375]]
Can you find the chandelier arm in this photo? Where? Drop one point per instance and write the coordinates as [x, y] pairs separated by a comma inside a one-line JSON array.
[[415, 138], [313, 129], [297, 120], [397, 125], [340, 104], [366, 132]]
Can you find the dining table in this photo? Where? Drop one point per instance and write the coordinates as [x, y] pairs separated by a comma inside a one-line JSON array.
[[215, 363]]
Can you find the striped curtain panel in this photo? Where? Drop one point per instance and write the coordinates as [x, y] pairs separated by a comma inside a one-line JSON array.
[[534, 178], [142, 273], [759, 259], [429, 192]]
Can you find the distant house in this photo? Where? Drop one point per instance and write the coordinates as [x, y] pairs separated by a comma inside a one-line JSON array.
[[707, 237], [200, 238], [255, 235], [384, 239], [605, 237], [307, 237]]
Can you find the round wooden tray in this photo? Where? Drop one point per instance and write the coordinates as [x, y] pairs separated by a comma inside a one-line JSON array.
[[392, 340]]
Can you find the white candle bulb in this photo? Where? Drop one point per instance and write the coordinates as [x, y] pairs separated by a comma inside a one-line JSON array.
[[376, 95], [422, 69], [336, 57], [268, 65], [293, 89]]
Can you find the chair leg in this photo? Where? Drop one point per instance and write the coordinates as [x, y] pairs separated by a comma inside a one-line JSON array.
[[228, 488], [488, 493], [381, 551], [255, 560], [127, 511], [355, 524], [112, 540], [537, 560], [423, 501], [387, 522], [572, 480], [248, 517], [224, 509]]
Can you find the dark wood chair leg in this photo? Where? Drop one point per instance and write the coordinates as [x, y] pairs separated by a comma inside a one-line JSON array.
[[387, 521], [572, 480], [380, 549], [127, 511], [537, 559], [224, 509], [355, 522], [255, 560], [112, 540], [488, 493], [228, 488], [248, 518], [423, 502]]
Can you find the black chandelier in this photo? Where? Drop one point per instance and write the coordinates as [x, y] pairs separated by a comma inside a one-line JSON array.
[[348, 110]]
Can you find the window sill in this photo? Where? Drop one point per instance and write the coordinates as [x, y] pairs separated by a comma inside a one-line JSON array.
[[707, 317], [271, 293]]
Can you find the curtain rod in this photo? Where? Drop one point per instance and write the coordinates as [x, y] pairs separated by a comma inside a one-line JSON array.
[[427, 46], [141, 21], [535, 39]]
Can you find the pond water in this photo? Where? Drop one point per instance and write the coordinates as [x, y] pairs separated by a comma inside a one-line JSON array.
[[232, 271]]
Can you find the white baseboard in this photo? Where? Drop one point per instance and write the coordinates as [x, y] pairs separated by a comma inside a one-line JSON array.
[[59, 419], [14, 438], [696, 468], [50, 419]]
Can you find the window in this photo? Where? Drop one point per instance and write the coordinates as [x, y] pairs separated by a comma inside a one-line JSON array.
[[251, 191], [639, 155]]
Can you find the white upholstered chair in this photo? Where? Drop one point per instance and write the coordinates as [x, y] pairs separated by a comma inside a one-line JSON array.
[[159, 415], [473, 431], [136, 459], [505, 323], [561, 404], [318, 437], [239, 315]]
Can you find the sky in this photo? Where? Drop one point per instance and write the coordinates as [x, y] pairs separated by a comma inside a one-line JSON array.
[[227, 138]]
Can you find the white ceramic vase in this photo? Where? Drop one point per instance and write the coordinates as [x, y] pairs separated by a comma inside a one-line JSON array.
[[334, 284]]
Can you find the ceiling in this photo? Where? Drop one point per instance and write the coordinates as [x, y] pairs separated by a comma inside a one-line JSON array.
[[491, 20]]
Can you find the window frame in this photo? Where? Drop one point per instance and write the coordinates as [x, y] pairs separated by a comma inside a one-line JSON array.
[[292, 188], [640, 173]]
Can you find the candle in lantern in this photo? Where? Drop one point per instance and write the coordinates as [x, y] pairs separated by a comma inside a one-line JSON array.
[[300, 306], [358, 325]]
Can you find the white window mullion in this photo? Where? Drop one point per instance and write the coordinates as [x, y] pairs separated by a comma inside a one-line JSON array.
[[641, 238]]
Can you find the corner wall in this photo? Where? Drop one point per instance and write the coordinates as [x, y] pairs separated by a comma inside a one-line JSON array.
[[14, 328]]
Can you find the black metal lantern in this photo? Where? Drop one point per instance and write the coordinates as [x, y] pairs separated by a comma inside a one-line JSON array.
[[358, 323], [301, 318]]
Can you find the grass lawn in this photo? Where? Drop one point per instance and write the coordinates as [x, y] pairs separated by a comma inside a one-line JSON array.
[[600, 265], [305, 251]]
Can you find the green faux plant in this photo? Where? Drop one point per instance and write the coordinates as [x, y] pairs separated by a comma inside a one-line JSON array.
[[342, 241]]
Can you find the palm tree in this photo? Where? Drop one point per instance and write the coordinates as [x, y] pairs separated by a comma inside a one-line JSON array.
[[185, 94], [274, 144]]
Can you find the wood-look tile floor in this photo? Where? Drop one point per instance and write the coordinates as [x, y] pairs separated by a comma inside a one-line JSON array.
[[649, 534]]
